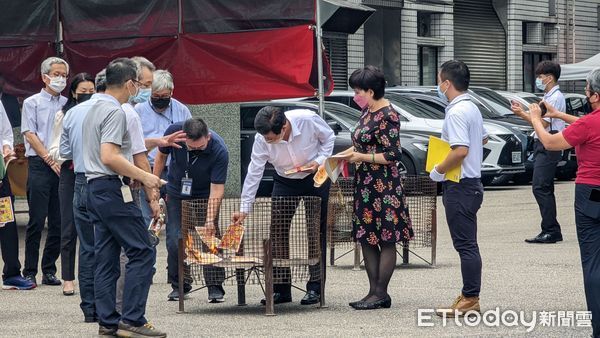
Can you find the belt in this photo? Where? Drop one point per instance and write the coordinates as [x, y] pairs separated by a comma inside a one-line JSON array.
[[126, 180]]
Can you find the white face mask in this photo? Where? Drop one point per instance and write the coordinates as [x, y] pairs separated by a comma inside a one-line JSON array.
[[57, 83]]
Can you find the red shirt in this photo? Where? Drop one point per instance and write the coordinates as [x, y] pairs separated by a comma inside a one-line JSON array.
[[584, 135]]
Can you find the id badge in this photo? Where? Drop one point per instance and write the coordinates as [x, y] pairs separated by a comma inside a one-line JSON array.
[[186, 187], [126, 192]]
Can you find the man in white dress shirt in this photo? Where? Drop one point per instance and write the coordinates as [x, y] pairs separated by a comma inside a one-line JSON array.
[[289, 140], [37, 121], [545, 161]]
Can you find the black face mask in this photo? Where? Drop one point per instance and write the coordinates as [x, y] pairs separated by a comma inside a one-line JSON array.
[[83, 97], [160, 103]]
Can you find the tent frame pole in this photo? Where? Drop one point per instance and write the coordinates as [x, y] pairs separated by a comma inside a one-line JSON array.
[[319, 33]]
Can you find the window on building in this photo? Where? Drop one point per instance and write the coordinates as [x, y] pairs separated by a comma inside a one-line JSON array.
[[428, 60], [424, 24], [530, 61]]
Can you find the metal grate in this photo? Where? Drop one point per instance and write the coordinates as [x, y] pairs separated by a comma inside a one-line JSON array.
[[291, 224], [421, 197]]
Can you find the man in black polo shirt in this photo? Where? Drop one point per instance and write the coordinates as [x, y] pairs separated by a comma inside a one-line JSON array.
[[198, 169]]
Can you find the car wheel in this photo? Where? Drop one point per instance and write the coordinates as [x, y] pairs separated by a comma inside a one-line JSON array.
[[487, 180], [522, 179], [406, 167]]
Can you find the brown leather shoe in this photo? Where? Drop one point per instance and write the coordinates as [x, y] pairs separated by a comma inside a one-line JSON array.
[[460, 306]]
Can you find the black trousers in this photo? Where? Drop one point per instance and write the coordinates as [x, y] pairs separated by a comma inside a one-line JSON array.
[[9, 239], [68, 240], [43, 201], [587, 220], [462, 201], [544, 170], [281, 218]]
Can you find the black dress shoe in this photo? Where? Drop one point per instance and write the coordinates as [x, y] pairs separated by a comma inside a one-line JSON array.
[[278, 298], [50, 279], [545, 238], [311, 297], [385, 302]]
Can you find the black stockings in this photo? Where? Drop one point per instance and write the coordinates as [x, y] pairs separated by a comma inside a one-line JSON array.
[[380, 262]]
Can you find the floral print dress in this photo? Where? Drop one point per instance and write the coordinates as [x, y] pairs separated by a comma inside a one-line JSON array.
[[380, 209]]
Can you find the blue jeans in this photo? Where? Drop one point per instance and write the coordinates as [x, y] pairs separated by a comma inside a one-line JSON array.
[[123, 226], [85, 232], [587, 220]]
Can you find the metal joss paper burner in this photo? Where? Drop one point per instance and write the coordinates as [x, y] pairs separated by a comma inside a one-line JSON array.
[[278, 243], [421, 198]]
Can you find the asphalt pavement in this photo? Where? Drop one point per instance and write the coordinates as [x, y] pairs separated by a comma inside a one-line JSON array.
[[544, 282]]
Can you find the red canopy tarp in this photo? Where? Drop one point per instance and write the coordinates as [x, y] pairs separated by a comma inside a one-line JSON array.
[[212, 68], [251, 50]]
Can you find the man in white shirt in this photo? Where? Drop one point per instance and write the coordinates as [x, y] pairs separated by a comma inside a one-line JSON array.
[[463, 130], [545, 161], [37, 121], [289, 140]]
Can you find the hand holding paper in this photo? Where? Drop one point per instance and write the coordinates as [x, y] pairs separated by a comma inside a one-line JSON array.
[[436, 176]]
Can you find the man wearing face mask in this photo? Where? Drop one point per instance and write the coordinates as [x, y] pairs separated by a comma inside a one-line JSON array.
[[544, 169], [158, 113], [463, 130], [288, 140], [197, 170], [117, 220], [37, 121]]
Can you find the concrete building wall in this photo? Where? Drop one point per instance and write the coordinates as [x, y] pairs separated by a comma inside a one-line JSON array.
[[224, 119], [557, 34]]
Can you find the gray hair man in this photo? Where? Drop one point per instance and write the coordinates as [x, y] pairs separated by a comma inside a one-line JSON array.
[[37, 121]]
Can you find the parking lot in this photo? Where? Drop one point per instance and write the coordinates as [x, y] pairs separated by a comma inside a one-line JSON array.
[[516, 276]]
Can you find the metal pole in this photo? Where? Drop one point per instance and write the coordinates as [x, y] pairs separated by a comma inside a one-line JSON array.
[[573, 33], [319, 33]]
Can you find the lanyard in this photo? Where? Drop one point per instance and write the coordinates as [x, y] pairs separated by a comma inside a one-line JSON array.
[[164, 114], [189, 166]]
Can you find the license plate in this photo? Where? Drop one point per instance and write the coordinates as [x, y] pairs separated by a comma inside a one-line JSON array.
[[516, 157]]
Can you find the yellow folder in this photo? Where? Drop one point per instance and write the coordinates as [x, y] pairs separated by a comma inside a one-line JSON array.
[[437, 151]]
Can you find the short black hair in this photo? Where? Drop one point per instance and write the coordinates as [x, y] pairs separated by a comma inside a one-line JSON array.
[[195, 128], [367, 78], [548, 67], [121, 70], [456, 72], [268, 119]]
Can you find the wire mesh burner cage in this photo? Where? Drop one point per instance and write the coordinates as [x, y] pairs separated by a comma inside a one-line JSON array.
[[277, 243], [421, 197]]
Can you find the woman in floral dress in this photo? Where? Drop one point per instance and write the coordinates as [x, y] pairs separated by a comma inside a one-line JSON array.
[[381, 217]]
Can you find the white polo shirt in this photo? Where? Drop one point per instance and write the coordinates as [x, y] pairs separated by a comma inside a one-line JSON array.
[[463, 126], [555, 98]]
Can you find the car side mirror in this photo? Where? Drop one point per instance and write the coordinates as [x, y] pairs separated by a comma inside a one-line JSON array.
[[335, 127]]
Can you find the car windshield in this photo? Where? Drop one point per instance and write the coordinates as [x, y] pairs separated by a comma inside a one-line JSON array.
[[532, 99], [345, 114], [492, 96], [414, 107]]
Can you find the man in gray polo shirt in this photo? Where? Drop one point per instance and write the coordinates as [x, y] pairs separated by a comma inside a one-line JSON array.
[[463, 130], [117, 221]]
